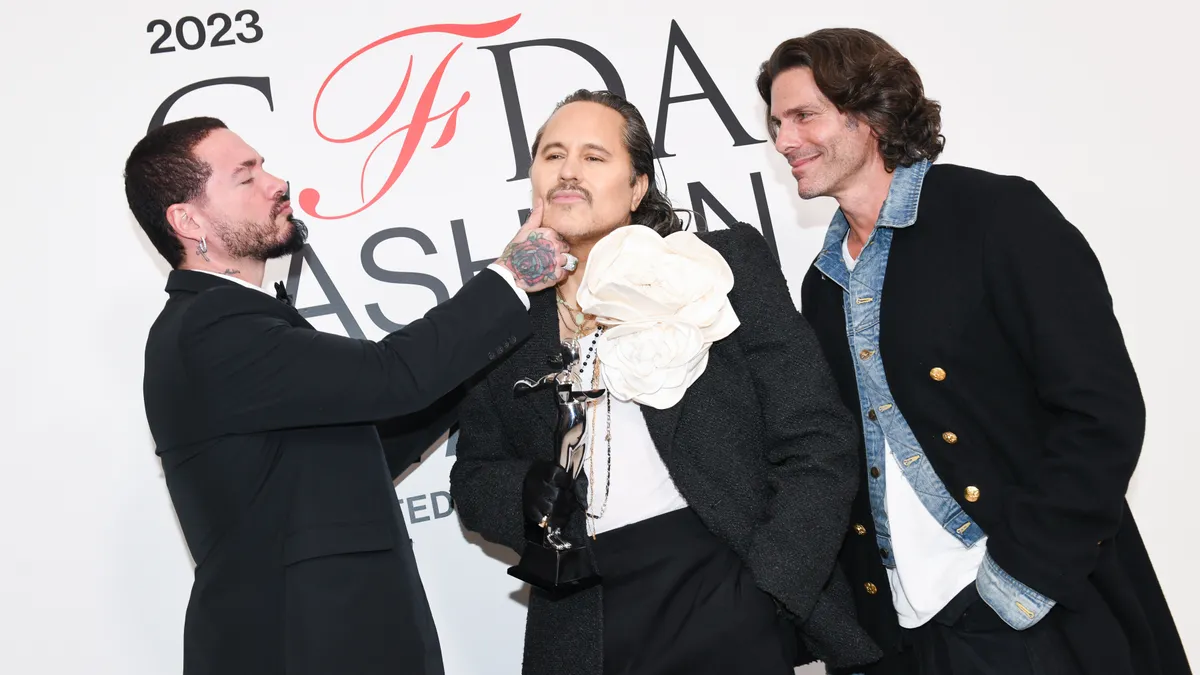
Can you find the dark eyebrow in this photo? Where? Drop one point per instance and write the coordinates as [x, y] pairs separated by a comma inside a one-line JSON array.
[[792, 112], [589, 146], [248, 164]]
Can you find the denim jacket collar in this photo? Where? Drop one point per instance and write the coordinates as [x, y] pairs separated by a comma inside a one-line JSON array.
[[899, 210]]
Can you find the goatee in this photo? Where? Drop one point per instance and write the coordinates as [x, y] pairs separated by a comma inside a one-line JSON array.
[[297, 237]]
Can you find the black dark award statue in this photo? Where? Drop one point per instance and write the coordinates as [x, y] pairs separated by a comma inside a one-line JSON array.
[[551, 562]]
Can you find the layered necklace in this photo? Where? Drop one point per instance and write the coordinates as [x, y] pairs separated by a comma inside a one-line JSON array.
[[576, 318]]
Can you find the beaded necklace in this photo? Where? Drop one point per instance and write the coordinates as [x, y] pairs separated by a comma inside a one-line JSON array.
[[591, 361]]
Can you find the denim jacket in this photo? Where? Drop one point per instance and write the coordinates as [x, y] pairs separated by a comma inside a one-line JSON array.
[[1019, 606]]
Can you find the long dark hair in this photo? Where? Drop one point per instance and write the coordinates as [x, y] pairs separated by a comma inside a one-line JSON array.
[[655, 210], [863, 75]]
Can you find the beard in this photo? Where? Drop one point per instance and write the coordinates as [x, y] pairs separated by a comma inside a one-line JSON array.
[[841, 161], [261, 241], [293, 242]]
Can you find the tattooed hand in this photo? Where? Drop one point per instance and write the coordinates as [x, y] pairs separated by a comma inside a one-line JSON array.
[[537, 256]]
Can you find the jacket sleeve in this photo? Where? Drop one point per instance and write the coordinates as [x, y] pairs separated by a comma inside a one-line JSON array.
[[810, 440], [1052, 302], [487, 476], [263, 373], [406, 437]]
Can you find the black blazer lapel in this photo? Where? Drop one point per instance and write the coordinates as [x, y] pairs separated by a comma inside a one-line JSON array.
[[662, 425], [532, 360], [665, 425]]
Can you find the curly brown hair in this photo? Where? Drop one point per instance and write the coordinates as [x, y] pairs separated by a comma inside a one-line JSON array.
[[864, 76]]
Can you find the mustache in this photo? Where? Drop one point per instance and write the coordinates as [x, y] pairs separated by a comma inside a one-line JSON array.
[[563, 187]]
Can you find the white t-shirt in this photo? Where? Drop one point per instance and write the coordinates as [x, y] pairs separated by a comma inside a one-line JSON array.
[[640, 487]]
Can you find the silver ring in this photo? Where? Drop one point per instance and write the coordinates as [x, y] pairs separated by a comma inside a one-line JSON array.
[[572, 262]]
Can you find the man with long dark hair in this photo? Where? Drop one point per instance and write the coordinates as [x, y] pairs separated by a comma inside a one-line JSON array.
[[718, 466], [991, 532], [267, 429]]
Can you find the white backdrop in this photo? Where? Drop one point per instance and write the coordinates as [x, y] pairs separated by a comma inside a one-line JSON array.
[[1092, 102]]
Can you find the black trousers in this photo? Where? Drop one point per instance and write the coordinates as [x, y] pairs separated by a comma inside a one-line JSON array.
[[678, 600], [968, 638]]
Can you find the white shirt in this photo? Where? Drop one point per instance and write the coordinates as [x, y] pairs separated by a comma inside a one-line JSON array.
[[932, 566], [640, 487], [243, 282]]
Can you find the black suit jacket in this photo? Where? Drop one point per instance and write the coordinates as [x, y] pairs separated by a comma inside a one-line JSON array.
[[760, 447], [992, 285], [267, 433]]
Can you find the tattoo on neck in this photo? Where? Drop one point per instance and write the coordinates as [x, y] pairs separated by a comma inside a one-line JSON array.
[[230, 271], [533, 261]]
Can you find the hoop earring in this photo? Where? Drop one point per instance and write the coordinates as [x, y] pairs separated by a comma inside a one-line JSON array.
[[202, 249]]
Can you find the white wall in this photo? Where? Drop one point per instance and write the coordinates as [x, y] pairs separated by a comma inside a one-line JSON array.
[[1094, 103]]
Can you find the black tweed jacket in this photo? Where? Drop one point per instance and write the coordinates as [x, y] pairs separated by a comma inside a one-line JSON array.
[[761, 447]]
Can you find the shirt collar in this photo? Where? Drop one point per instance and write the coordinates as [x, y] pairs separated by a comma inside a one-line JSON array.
[[243, 282]]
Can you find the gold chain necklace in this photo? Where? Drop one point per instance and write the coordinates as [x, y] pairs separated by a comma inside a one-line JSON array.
[[578, 318]]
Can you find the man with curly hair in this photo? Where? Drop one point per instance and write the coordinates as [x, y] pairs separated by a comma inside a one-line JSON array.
[[991, 532]]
